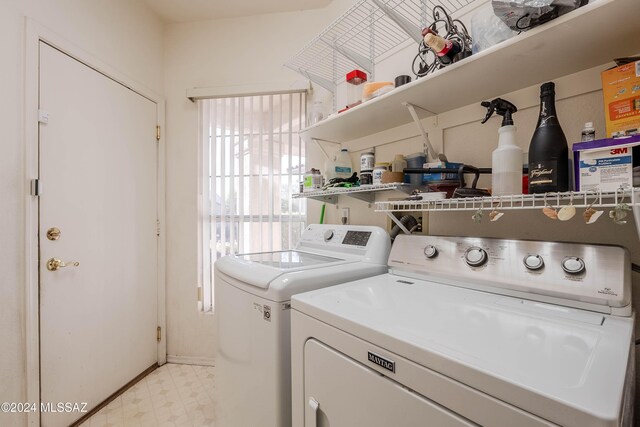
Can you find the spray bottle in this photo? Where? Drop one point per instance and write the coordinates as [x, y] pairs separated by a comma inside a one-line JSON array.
[[506, 161]]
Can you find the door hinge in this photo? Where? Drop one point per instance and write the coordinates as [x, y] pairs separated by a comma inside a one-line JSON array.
[[157, 132], [159, 334], [43, 116], [199, 293], [157, 227], [35, 187]]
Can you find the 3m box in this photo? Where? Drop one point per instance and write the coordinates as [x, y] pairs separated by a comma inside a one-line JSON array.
[[621, 92], [605, 164]]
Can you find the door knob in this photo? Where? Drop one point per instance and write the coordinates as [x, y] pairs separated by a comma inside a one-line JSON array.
[[55, 264]]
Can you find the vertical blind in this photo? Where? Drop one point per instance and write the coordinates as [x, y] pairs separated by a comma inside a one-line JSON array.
[[253, 161]]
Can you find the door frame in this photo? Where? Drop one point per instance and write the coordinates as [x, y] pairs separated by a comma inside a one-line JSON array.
[[34, 34]]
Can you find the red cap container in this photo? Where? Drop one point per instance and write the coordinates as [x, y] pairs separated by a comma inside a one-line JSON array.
[[356, 77]]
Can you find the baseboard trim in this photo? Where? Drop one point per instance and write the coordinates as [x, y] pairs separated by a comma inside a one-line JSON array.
[[189, 360], [111, 398]]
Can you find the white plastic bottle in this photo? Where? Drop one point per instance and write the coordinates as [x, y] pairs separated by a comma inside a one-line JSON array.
[[399, 163], [506, 161], [506, 164], [588, 133], [342, 165]]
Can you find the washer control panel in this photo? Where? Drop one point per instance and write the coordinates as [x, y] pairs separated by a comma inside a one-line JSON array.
[[363, 242], [576, 274]]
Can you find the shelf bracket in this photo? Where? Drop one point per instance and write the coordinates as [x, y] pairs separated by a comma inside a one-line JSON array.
[[423, 132], [317, 141], [355, 57], [321, 81], [398, 223], [331, 199], [412, 31], [365, 197]]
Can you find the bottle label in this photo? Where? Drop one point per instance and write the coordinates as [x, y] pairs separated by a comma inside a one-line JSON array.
[[543, 173], [446, 47], [342, 169]]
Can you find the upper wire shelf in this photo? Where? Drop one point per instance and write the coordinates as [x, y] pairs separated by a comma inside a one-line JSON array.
[[579, 199], [368, 30]]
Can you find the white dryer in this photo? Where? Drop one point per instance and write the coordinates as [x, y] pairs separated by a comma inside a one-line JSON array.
[[252, 314], [470, 331]]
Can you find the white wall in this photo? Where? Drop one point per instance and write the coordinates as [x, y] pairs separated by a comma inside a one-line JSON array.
[[228, 52], [120, 33]]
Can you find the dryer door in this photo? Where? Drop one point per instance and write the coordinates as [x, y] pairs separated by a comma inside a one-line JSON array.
[[345, 393]]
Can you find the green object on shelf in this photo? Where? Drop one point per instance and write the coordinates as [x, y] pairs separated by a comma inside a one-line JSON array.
[[324, 205]]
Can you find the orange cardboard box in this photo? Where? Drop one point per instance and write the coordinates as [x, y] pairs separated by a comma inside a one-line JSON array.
[[621, 92]]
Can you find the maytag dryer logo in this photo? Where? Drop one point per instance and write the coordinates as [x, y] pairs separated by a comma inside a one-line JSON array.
[[387, 364]]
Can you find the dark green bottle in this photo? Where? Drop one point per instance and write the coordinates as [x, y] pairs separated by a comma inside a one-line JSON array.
[[548, 151]]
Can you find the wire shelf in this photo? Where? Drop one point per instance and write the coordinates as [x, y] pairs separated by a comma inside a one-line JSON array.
[[579, 199], [363, 192], [368, 30]]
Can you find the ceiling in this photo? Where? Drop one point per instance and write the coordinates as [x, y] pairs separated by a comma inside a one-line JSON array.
[[199, 10]]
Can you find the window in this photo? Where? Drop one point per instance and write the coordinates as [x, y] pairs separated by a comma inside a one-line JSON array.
[[253, 161]]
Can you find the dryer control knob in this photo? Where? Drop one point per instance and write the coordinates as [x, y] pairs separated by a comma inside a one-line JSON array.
[[475, 257], [573, 265], [430, 251], [328, 235], [533, 262]]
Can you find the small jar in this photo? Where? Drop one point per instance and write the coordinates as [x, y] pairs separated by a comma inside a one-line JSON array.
[[378, 170], [366, 177], [367, 161]]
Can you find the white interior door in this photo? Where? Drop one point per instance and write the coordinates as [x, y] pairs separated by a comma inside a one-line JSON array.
[[98, 175]]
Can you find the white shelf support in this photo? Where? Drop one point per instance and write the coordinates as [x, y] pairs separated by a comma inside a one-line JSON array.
[[321, 81], [317, 141], [361, 60], [412, 31], [423, 132]]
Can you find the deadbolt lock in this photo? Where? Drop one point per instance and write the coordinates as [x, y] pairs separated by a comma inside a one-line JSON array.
[[53, 233], [55, 264]]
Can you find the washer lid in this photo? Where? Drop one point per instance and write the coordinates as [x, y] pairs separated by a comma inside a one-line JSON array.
[[260, 269], [286, 260], [563, 364]]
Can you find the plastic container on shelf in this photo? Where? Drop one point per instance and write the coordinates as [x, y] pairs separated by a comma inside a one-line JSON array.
[[398, 164], [316, 113], [588, 133], [366, 177], [414, 161], [378, 170], [312, 180], [342, 165], [506, 163], [354, 80], [367, 161]]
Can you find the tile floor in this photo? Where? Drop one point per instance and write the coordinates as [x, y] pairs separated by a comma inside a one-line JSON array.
[[172, 395]]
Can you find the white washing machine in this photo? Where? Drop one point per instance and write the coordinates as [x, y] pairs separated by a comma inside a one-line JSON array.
[[252, 310], [467, 332]]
